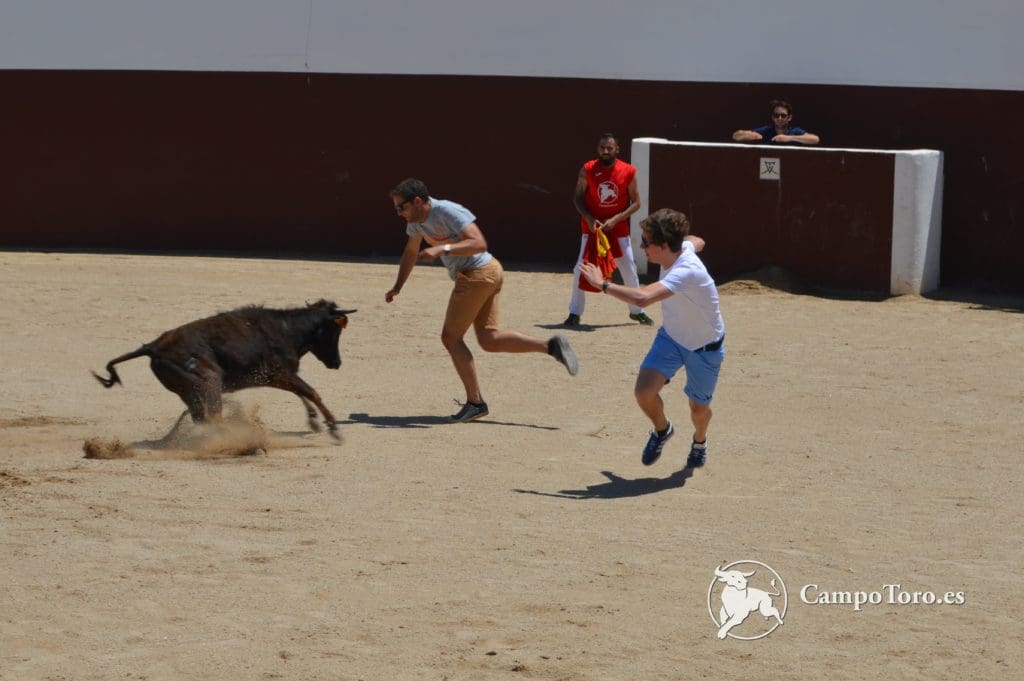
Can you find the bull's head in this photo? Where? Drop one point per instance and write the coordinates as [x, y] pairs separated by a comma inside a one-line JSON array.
[[325, 344], [734, 578]]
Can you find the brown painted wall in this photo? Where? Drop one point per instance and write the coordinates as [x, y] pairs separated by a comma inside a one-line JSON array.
[[828, 220], [290, 162]]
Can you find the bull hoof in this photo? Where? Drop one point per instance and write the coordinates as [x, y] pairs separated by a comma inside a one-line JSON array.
[[314, 425], [335, 433]]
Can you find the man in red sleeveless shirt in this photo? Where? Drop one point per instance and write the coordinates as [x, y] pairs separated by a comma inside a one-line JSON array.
[[606, 195]]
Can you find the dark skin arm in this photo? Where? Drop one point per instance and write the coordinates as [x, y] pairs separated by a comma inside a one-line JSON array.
[[580, 203]]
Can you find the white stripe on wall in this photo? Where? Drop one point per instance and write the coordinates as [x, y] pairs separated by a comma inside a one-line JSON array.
[[910, 43]]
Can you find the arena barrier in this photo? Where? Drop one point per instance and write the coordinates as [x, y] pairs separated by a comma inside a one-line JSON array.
[[865, 219]]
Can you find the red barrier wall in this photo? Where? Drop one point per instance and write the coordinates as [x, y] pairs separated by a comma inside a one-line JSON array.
[[829, 220], [290, 162]]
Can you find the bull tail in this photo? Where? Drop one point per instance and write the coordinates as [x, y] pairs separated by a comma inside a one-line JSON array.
[[114, 378]]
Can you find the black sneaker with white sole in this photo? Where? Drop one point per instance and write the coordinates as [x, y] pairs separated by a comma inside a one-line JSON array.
[[642, 318], [470, 411]]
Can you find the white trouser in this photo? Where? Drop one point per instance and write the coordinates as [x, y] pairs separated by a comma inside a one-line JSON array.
[[626, 266]]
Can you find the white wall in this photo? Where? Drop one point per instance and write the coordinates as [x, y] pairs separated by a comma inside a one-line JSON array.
[[927, 43]]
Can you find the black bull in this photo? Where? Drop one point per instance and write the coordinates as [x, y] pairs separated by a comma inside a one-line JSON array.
[[245, 348]]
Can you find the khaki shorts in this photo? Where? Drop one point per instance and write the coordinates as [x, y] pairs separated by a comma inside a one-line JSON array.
[[474, 299]]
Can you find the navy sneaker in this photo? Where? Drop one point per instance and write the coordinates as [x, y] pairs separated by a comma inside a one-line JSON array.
[[470, 411], [572, 321], [559, 348], [642, 318], [652, 452], [698, 454]]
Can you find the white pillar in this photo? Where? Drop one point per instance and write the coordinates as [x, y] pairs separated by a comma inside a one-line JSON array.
[[640, 157], [916, 221]]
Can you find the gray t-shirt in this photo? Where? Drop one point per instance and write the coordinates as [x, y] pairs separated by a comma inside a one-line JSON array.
[[444, 225]]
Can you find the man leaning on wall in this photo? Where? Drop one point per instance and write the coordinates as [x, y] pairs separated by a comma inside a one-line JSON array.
[[780, 130]]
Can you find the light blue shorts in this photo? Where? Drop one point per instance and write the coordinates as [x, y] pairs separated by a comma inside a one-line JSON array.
[[666, 356]]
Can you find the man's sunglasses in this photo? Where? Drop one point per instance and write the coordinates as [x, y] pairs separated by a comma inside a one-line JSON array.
[[780, 115]]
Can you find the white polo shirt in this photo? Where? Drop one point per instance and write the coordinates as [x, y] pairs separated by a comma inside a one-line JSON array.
[[691, 315]]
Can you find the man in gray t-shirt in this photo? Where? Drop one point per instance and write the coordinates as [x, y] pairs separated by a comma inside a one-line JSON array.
[[452, 234], [443, 224]]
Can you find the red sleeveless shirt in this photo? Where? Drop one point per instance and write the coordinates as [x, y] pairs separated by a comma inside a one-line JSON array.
[[608, 193]]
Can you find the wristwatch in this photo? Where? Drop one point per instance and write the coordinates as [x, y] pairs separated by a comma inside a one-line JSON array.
[[604, 286], [447, 248]]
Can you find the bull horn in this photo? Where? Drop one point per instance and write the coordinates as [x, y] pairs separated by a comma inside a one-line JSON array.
[[337, 311], [747, 574], [719, 573]]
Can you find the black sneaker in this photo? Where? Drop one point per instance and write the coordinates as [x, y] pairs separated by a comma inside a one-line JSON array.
[[470, 411], [572, 321], [558, 347], [698, 454], [652, 452], [642, 318]]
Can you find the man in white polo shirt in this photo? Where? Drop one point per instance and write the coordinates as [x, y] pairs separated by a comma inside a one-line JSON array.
[[691, 335]]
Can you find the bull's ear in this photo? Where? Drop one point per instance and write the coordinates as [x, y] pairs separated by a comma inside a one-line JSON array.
[[341, 321]]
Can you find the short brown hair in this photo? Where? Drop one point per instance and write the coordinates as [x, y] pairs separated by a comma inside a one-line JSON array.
[[666, 226], [411, 188], [780, 104]]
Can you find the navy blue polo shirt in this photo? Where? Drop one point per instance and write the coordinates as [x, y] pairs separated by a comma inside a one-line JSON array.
[[767, 132]]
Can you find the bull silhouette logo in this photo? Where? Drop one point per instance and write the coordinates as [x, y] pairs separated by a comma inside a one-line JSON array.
[[738, 599], [607, 193]]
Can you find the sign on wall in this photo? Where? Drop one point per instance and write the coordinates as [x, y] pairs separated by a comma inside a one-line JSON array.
[[771, 168]]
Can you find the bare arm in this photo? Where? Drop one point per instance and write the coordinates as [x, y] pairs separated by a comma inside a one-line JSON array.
[[642, 297], [698, 243], [471, 243], [746, 136], [412, 247], [578, 199], [806, 138]]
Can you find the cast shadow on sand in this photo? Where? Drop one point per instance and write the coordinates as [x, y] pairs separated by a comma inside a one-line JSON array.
[[620, 488], [584, 327], [427, 422]]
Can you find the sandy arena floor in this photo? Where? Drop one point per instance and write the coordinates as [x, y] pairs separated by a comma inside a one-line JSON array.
[[855, 444]]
